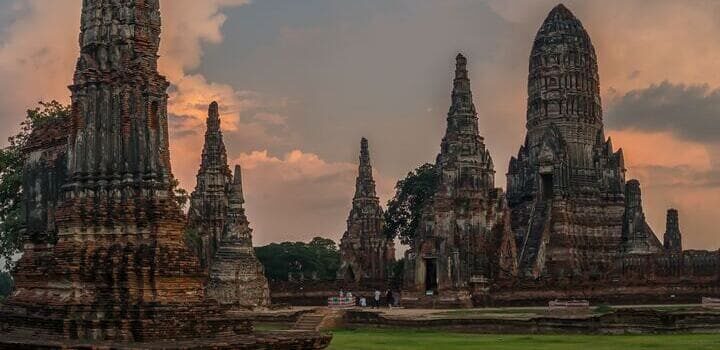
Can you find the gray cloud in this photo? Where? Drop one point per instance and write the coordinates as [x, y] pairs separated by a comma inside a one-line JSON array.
[[691, 112]]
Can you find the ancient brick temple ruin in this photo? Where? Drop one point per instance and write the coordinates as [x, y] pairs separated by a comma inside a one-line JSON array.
[[579, 226], [104, 259], [570, 226], [217, 216], [366, 252], [566, 186], [452, 255]]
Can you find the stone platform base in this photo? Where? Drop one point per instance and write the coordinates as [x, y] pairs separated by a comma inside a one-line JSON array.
[[621, 321], [446, 300], [662, 293], [283, 340]]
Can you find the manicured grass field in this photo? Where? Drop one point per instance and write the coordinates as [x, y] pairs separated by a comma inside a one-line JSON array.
[[402, 339]]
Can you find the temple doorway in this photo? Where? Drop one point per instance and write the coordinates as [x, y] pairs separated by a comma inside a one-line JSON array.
[[431, 283], [349, 274], [547, 186]]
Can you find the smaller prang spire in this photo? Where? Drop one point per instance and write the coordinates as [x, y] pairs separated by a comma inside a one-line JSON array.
[[673, 238], [462, 102], [236, 190], [237, 228], [365, 184]]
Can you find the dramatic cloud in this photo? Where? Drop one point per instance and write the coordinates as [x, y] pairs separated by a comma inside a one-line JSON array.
[[317, 75], [670, 136], [38, 50], [641, 149], [675, 173], [691, 112]]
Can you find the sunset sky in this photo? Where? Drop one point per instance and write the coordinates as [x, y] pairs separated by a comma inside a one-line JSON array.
[[299, 82]]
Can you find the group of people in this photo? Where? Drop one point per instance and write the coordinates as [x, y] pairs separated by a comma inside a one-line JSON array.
[[376, 301]]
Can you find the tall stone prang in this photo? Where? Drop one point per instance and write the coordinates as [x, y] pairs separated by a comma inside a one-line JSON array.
[[117, 267], [454, 250], [218, 217], [366, 253], [107, 266], [672, 238], [580, 229], [566, 186], [209, 200]]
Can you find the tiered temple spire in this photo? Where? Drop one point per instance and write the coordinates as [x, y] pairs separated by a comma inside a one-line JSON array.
[[208, 202], [451, 250], [366, 253], [119, 269], [462, 100], [214, 155], [364, 183], [217, 215]]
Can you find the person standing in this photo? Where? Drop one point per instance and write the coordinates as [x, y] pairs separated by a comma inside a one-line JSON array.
[[377, 299], [389, 298]]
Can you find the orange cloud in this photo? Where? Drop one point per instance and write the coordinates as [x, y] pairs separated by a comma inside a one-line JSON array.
[[37, 57], [674, 174], [187, 25], [642, 149]]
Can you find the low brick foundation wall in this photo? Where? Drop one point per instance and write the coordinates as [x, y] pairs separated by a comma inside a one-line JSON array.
[[316, 293], [623, 321]]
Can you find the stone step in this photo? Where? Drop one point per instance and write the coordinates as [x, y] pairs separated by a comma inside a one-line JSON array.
[[309, 322]]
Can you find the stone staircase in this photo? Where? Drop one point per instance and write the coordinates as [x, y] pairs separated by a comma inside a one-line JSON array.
[[534, 236], [309, 322], [319, 320]]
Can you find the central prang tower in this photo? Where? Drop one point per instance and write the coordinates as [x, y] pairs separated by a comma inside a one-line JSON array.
[[566, 187]]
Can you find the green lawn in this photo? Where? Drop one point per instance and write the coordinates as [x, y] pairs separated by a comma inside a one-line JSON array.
[[400, 339]]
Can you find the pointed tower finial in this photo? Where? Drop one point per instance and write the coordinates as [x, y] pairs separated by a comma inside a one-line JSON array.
[[462, 100], [461, 67], [214, 155], [213, 119], [364, 151], [365, 184], [237, 179], [237, 187]]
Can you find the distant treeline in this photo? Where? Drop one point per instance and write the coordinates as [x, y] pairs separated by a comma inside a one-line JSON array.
[[317, 260]]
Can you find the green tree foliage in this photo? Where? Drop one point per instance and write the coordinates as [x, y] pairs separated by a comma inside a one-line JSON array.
[[412, 195], [180, 194], [12, 159], [396, 273], [320, 257], [6, 285], [193, 240]]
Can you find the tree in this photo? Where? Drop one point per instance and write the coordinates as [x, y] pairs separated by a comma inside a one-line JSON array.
[[320, 257], [180, 194], [413, 194], [396, 272], [12, 159], [6, 285]]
